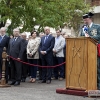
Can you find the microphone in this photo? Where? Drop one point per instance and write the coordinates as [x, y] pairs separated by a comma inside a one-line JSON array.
[[85, 28]]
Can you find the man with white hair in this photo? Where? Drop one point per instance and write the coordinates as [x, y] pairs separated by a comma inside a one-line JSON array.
[[4, 40], [46, 46], [15, 50], [24, 57]]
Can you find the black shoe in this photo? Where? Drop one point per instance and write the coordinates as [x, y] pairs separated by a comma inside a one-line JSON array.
[[23, 80], [40, 78], [17, 83], [48, 81], [6, 81], [43, 81], [12, 83]]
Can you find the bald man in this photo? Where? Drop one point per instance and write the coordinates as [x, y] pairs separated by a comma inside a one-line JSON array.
[[46, 46]]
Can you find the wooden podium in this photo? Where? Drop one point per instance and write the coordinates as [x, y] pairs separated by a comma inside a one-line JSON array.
[[81, 63]]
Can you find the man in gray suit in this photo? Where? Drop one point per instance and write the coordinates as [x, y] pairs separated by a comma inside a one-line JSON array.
[[15, 49], [92, 30]]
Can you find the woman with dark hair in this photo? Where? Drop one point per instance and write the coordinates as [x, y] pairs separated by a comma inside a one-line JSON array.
[[33, 54]]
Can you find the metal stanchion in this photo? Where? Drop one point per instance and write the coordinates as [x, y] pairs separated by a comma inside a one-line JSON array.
[[3, 80]]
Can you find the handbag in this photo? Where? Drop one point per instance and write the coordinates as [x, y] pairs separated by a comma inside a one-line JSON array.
[[98, 50]]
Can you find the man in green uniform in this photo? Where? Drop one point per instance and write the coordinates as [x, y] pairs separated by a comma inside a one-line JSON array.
[[92, 30]]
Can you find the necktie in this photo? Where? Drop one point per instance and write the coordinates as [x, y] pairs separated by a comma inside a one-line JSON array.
[[13, 41], [45, 39]]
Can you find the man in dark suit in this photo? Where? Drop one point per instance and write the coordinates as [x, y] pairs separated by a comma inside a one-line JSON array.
[[24, 58], [15, 49], [4, 40], [46, 46]]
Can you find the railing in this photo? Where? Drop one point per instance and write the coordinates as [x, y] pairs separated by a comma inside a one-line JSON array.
[[95, 3]]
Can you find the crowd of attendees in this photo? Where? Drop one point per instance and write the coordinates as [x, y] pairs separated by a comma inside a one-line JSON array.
[[42, 49]]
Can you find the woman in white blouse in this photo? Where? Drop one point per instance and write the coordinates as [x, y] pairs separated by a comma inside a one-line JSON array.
[[33, 54]]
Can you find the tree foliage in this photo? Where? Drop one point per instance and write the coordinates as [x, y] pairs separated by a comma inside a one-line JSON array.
[[51, 13]]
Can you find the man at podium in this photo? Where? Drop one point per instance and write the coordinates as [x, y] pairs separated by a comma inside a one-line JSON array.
[[92, 30]]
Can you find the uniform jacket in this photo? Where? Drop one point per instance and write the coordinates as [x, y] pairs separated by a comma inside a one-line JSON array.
[[93, 31]]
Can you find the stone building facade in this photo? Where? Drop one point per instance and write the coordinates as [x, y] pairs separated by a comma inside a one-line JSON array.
[[96, 8]]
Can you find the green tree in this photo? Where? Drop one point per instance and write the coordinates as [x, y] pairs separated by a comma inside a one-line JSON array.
[[51, 13], [75, 10]]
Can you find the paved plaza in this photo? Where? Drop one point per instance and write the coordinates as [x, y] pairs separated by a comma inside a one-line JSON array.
[[38, 91]]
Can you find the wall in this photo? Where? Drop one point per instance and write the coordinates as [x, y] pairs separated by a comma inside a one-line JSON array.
[[96, 18]]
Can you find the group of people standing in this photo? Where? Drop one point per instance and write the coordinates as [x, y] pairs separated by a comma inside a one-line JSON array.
[[45, 50]]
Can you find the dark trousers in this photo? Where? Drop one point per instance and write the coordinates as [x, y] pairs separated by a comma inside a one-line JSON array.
[[40, 69], [47, 72], [15, 70], [0, 67], [24, 70], [6, 71], [98, 72], [64, 66], [59, 71], [9, 70], [33, 69]]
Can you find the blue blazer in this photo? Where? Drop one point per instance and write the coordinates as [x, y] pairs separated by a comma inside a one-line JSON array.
[[47, 46], [4, 43]]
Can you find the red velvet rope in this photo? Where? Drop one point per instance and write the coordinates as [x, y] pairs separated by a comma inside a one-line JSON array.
[[36, 65]]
